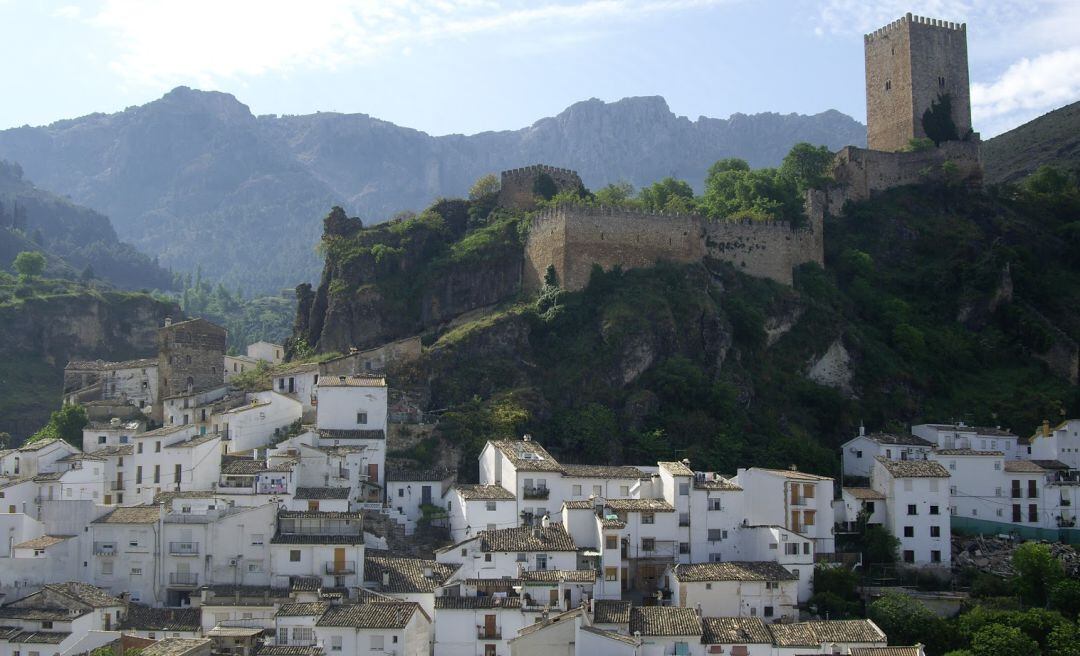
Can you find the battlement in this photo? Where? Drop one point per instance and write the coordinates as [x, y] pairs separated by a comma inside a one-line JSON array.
[[909, 19], [572, 238], [518, 188]]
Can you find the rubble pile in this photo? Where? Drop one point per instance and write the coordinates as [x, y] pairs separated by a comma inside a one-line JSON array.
[[993, 555]]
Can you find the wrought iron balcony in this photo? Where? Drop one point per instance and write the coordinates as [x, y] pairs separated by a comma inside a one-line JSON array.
[[535, 492], [183, 578]]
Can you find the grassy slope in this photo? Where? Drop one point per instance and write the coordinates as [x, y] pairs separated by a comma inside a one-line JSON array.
[[907, 287], [1050, 139]]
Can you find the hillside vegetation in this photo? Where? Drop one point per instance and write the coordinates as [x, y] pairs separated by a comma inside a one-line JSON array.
[[1052, 139], [195, 178], [76, 241], [936, 303]]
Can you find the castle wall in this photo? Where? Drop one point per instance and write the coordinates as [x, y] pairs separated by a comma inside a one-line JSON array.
[[574, 238], [516, 186], [909, 63], [190, 357], [860, 173]]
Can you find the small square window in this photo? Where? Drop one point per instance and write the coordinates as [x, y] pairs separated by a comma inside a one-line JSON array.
[[361, 418], [294, 555], [909, 531]]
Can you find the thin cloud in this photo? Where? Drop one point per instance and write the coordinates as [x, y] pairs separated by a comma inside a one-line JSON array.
[[1027, 89], [208, 41]]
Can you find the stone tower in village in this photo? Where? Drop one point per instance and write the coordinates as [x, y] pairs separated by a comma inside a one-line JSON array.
[[910, 63]]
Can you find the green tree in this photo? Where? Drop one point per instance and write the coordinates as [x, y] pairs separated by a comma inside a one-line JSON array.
[[879, 546], [1065, 597], [667, 195], [551, 277], [1001, 640], [29, 264], [486, 185], [592, 430], [1037, 570], [1064, 640], [617, 194], [733, 191], [807, 166], [66, 424], [544, 186], [902, 618], [937, 121]]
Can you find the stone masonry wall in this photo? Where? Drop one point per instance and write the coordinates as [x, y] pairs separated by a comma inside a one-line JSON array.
[[189, 353], [909, 63], [516, 187], [574, 238], [860, 173]]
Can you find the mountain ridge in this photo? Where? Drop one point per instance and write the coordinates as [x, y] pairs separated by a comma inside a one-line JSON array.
[[198, 179]]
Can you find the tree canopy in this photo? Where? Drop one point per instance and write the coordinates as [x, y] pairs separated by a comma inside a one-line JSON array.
[[29, 264]]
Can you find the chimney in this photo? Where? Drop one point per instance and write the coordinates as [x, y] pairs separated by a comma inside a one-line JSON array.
[[862, 430], [526, 438], [428, 572], [537, 533], [545, 521], [168, 321], [1046, 428], [793, 468], [386, 579]]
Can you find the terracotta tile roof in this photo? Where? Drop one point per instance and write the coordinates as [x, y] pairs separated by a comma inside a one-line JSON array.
[[1050, 464], [579, 504], [370, 615], [865, 493], [806, 634], [716, 483], [232, 466], [734, 571], [527, 455], [43, 542], [1023, 467], [898, 439], [131, 515], [354, 515], [792, 474], [352, 433], [40, 444], [967, 452], [484, 493], [611, 635], [295, 368], [737, 630], [289, 650], [612, 523], [611, 611], [76, 457], [49, 477], [39, 637], [913, 468], [407, 575], [475, 603], [886, 651], [115, 450], [639, 505], [560, 575], [402, 473], [994, 432], [322, 493], [196, 440], [523, 538], [664, 621], [39, 614], [304, 538], [85, 593], [310, 608], [676, 468], [352, 381], [603, 471], [305, 583], [145, 618], [176, 646]]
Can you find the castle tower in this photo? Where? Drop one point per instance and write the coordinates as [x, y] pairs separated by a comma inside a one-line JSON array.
[[910, 63]]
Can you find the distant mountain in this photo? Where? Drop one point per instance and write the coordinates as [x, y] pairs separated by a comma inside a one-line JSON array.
[[1053, 138], [197, 179], [71, 237]]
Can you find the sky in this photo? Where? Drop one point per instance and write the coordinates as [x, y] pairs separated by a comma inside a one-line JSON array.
[[465, 66]]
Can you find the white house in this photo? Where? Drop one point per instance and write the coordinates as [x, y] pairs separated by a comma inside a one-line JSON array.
[[473, 626], [409, 490], [256, 423], [474, 508], [266, 351], [917, 508], [235, 365], [299, 381], [736, 589], [976, 438], [325, 545], [385, 627], [859, 454], [353, 411], [115, 432], [798, 501], [1061, 443], [504, 553], [738, 636]]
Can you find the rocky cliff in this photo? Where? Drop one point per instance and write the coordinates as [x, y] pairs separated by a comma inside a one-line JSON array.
[[38, 336], [197, 179]]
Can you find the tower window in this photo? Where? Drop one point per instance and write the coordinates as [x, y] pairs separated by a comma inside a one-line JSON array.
[[888, 84], [941, 81]]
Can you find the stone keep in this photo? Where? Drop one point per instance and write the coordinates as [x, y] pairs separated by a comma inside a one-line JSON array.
[[909, 63], [191, 355]]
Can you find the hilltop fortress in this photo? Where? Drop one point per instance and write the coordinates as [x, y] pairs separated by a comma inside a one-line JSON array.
[[911, 65]]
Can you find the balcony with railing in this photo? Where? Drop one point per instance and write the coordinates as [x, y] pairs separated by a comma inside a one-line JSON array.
[[183, 548], [116, 486], [184, 578], [104, 548], [484, 633], [535, 492], [341, 567], [269, 488], [666, 550]]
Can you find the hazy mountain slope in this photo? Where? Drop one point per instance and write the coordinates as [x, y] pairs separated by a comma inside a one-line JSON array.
[[1053, 138], [195, 178], [72, 237]]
